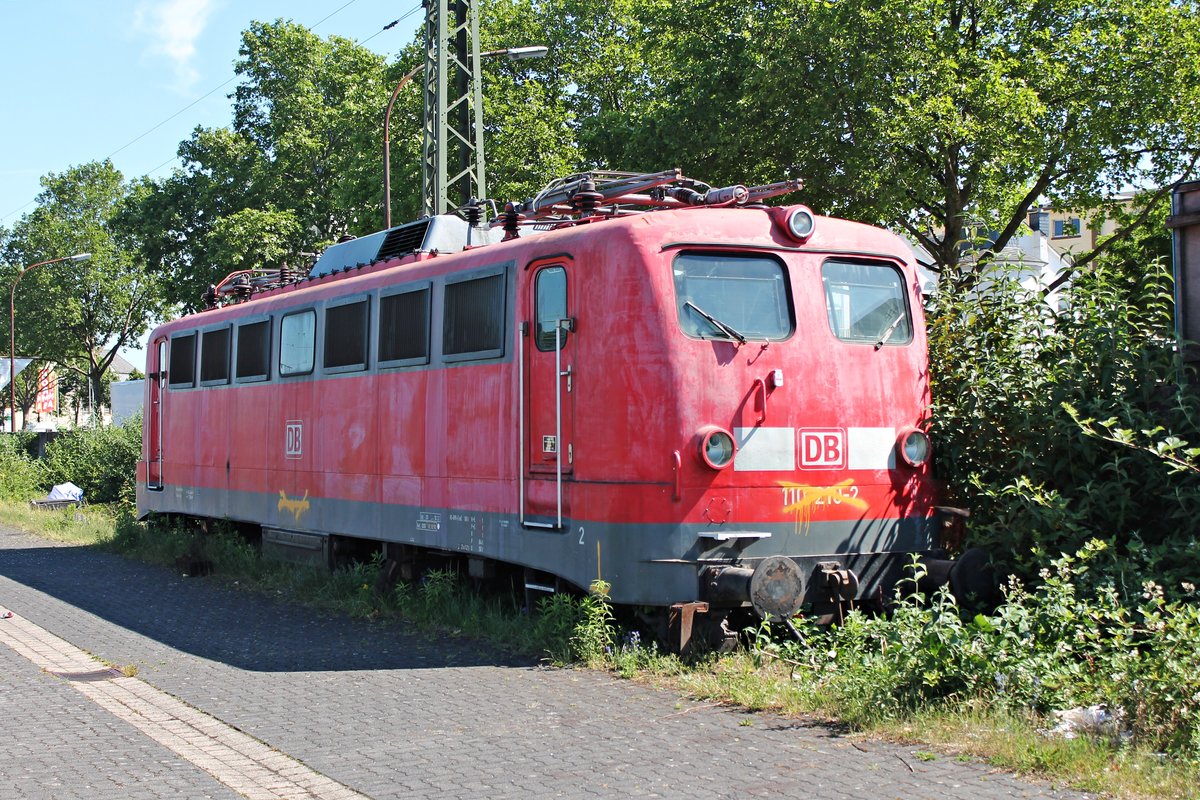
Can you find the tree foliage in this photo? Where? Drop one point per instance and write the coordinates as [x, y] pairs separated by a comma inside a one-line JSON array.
[[530, 125], [299, 167], [939, 117], [942, 118], [80, 314]]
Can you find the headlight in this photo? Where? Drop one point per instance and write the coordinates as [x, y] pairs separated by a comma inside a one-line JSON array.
[[716, 448], [801, 223], [914, 447]]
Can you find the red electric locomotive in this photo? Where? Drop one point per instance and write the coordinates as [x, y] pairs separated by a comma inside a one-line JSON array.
[[711, 404]]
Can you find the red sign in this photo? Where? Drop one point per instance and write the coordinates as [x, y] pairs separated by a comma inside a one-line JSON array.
[[47, 395]]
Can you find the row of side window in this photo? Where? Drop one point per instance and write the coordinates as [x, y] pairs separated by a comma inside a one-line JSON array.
[[473, 317]]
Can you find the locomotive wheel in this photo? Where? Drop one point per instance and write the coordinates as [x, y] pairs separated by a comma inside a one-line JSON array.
[[973, 578]]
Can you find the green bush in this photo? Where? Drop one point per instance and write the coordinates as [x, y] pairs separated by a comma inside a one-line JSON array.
[[1018, 387], [1066, 431], [20, 478], [101, 461], [1063, 644]]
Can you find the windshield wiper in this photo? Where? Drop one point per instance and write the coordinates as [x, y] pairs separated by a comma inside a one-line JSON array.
[[887, 333], [716, 323]]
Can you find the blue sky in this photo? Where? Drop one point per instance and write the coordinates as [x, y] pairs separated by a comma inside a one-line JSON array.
[[130, 79], [83, 81]]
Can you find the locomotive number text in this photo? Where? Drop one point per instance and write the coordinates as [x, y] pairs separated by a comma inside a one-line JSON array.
[[809, 500], [802, 496]]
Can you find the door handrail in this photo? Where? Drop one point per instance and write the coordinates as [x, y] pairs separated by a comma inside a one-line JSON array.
[[523, 332], [558, 442]]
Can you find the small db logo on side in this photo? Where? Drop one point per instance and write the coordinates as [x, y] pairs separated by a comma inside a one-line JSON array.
[[294, 439], [822, 448]]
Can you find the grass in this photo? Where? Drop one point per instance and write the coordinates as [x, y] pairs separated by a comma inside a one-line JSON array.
[[1016, 743], [88, 525], [570, 630], [964, 731]]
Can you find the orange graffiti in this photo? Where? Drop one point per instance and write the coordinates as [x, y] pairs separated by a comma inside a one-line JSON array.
[[295, 507], [804, 501]]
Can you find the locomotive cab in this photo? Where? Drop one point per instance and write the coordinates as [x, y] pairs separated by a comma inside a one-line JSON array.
[[756, 398]]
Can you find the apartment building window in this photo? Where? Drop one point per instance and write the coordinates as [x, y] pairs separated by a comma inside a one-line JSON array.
[[1067, 227]]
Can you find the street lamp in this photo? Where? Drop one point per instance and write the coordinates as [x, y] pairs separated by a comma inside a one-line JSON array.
[[513, 54], [12, 328]]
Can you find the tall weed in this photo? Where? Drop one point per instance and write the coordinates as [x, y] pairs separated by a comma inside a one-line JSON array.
[[1062, 644], [1018, 389]]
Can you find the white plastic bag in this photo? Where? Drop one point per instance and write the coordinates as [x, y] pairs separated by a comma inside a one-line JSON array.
[[66, 491]]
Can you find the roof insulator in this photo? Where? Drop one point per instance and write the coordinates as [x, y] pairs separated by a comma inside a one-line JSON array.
[[587, 199], [512, 222]]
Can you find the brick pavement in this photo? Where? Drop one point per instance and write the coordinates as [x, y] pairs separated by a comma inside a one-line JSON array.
[[387, 712], [55, 742]]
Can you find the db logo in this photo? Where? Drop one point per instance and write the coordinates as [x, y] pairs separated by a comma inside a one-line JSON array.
[[294, 439], [822, 448]]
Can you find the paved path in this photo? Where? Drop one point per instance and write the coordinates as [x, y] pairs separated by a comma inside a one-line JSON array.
[[237, 695]]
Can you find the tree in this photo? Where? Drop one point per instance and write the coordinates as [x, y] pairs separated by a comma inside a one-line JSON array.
[[942, 118], [948, 118], [80, 314], [657, 84], [313, 107], [530, 125], [299, 167], [169, 220], [26, 390]]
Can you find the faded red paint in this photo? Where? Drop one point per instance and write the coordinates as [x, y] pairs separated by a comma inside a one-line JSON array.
[[641, 390]]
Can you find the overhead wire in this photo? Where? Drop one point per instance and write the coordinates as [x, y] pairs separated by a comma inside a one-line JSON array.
[[216, 89], [392, 24]]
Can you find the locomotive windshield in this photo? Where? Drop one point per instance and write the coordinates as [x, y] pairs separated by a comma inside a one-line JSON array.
[[866, 303], [735, 297]]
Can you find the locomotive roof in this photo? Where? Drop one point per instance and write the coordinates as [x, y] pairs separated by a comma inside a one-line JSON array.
[[444, 233], [757, 228]]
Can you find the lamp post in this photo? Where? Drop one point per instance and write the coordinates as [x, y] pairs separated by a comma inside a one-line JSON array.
[[12, 329], [513, 53]]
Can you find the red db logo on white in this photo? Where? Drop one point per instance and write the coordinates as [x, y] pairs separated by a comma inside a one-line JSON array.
[[822, 448], [294, 439]]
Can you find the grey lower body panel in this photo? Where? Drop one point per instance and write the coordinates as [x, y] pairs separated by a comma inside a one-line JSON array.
[[645, 564]]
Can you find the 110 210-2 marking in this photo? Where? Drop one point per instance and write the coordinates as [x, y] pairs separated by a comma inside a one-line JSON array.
[[799, 498]]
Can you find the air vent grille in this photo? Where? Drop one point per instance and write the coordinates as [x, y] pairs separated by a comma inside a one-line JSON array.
[[402, 240]]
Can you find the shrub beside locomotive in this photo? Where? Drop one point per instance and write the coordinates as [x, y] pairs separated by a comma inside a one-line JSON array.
[[712, 405]]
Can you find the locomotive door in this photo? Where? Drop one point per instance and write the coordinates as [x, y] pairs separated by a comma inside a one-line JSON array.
[[547, 448], [154, 425]]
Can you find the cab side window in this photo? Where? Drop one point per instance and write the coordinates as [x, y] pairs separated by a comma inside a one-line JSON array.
[[551, 308]]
